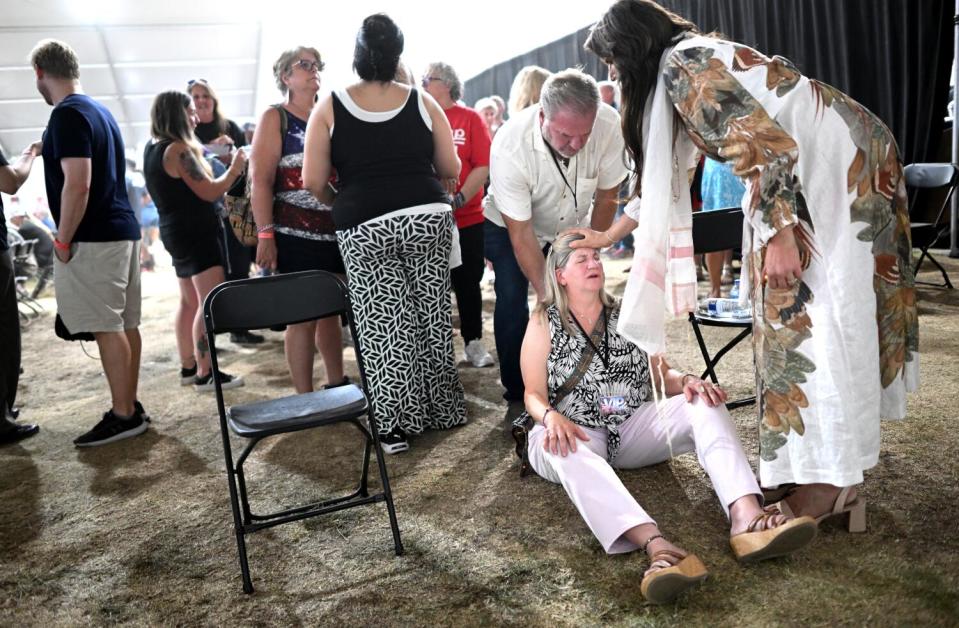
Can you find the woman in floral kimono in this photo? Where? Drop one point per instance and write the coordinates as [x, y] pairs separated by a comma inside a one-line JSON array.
[[826, 244]]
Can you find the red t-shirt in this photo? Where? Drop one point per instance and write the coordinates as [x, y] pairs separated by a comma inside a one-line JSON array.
[[472, 141]]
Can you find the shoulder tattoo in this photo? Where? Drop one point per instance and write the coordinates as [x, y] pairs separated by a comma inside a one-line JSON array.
[[190, 165]]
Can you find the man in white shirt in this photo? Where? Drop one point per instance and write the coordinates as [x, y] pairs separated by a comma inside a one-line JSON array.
[[554, 166]]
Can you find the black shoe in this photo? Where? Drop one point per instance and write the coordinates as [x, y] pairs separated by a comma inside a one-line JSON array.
[[227, 381], [12, 411], [17, 433], [246, 338], [394, 442], [138, 410], [187, 376], [346, 381], [111, 429]]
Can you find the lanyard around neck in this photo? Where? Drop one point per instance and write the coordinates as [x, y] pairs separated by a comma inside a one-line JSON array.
[[589, 339], [571, 188]]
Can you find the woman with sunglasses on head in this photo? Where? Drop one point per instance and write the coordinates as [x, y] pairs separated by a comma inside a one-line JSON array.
[[182, 185], [391, 144], [590, 398], [827, 244], [295, 230], [221, 136]]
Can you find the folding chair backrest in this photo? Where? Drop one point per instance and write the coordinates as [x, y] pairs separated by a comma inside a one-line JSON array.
[[931, 177], [23, 250], [717, 230], [263, 302]]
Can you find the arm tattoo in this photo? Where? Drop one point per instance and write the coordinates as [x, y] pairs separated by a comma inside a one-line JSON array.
[[202, 347], [191, 166]]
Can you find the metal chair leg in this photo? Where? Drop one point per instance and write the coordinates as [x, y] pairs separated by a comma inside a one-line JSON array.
[[387, 492]]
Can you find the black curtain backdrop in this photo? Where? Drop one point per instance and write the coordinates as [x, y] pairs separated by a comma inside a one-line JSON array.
[[893, 56]]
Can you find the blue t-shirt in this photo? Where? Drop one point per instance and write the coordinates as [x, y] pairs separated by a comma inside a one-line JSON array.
[[81, 127]]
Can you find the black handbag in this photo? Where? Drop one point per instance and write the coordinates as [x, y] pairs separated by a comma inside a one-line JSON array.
[[521, 432], [62, 332]]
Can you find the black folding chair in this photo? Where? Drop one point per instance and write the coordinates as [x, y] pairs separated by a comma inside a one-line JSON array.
[[24, 268], [925, 234], [263, 302], [714, 231]]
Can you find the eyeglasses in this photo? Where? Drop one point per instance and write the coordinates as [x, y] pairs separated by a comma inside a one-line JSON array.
[[309, 66], [428, 79], [193, 82]]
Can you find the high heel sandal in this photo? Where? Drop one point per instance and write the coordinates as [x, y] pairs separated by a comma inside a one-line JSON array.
[[677, 572], [854, 511], [760, 542]]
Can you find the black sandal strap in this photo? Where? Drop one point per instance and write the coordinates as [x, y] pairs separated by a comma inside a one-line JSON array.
[[650, 540]]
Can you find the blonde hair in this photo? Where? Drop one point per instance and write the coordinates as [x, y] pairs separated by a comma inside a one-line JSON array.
[[555, 294], [526, 88], [168, 121]]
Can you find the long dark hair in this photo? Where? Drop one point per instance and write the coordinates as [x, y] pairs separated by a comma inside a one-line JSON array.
[[379, 44], [632, 35]]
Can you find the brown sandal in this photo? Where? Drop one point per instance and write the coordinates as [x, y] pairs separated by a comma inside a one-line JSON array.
[[760, 542], [669, 574]]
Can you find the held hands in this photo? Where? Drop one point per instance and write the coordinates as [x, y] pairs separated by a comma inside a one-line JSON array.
[[592, 239], [782, 266], [34, 149], [239, 163], [709, 392], [266, 253], [561, 434]]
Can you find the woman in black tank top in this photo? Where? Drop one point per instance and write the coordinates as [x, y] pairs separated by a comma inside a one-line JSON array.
[[183, 188], [393, 151]]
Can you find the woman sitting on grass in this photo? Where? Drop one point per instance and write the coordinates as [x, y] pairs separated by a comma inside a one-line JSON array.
[[595, 414]]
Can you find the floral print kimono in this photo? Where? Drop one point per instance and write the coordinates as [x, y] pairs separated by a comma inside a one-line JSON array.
[[839, 349]]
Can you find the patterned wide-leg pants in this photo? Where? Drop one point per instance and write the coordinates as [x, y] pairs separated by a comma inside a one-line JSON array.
[[399, 280]]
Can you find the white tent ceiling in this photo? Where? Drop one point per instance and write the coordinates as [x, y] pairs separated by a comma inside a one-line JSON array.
[[132, 49]]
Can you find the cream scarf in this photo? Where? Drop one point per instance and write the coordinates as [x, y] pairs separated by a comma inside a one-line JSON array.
[[663, 277]]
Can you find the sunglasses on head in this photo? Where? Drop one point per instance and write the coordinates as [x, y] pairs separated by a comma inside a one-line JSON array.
[[193, 82]]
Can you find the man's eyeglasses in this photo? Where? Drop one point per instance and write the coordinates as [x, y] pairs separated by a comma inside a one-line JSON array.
[[428, 79], [309, 66]]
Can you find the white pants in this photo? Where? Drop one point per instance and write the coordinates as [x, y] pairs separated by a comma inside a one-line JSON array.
[[604, 503]]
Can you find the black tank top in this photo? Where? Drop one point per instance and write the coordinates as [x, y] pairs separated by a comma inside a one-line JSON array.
[[382, 166], [180, 210]]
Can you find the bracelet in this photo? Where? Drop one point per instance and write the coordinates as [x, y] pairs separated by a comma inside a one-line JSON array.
[[264, 235], [682, 382], [611, 241], [650, 540], [545, 414], [60, 245], [268, 227]]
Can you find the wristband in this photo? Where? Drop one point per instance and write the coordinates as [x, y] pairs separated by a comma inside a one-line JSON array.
[[682, 382], [545, 414], [458, 200], [60, 245], [264, 235], [268, 227]]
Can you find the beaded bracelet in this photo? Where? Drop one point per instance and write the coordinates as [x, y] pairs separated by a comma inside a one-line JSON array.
[[545, 414], [264, 228]]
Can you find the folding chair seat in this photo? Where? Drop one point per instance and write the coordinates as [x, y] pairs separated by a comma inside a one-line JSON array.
[[24, 268], [263, 302], [935, 176], [713, 231]]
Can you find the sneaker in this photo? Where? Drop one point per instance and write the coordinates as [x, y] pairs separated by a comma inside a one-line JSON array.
[[477, 354], [111, 429], [227, 381], [246, 338], [394, 442], [139, 411], [187, 376]]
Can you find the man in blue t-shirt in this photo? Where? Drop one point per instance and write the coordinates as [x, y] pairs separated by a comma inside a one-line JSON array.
[[97, 272]]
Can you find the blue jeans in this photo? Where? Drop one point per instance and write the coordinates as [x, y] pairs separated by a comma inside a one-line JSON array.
[[511, 311]]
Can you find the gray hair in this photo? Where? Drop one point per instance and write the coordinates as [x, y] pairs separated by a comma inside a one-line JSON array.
[[284, 65], [484, 103], [570, 89], [448, 75], [555, 294]]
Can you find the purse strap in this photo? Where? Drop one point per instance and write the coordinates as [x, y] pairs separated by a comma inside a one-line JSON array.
[[520, 433]]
